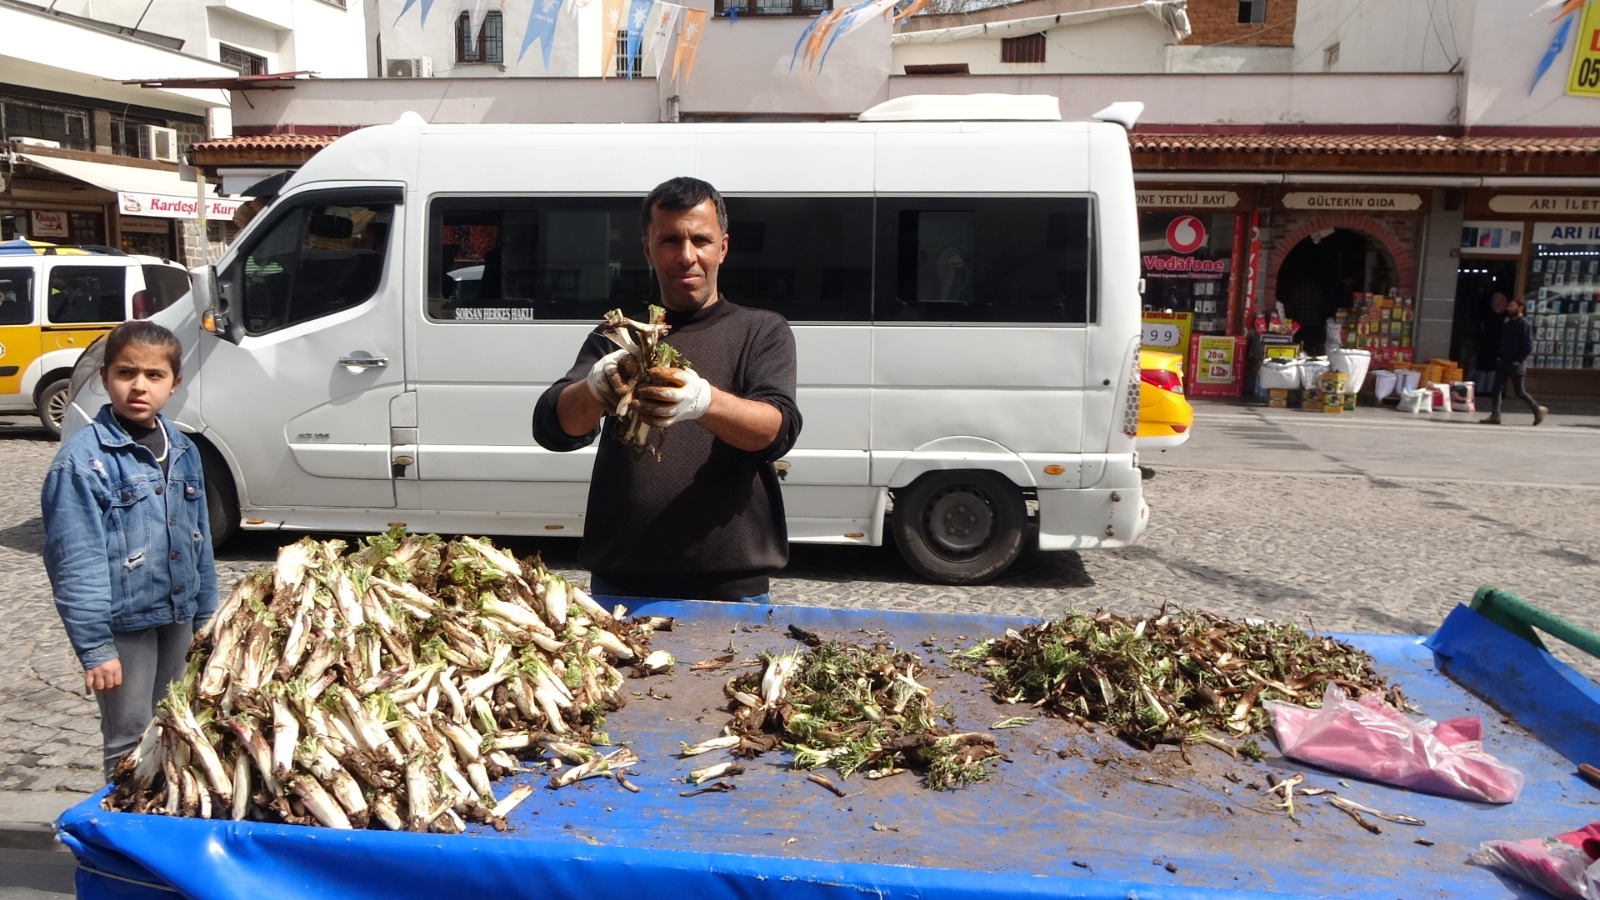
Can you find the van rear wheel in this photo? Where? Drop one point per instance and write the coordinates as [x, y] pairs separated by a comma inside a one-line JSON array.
[[53, 406], [960, 527]]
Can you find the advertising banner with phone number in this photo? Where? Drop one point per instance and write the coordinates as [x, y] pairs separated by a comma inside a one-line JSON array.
[[1166, 331], [1216, 365]]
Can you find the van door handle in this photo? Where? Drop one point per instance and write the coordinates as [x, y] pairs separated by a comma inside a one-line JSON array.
[[364, 362]]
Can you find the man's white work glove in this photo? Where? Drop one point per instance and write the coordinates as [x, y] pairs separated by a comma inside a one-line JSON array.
[[606, 383], [663, 405]]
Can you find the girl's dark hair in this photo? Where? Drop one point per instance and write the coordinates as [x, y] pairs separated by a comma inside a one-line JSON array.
[[682, 192], [140, 331]]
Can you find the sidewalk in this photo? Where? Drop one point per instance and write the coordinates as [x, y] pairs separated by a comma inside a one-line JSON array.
[[27, 818], [1570, 410]]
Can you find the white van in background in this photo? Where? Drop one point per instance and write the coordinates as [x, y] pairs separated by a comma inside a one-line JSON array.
[[964, 296]]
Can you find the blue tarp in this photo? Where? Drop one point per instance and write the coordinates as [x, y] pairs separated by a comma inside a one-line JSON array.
[[1067, 815]]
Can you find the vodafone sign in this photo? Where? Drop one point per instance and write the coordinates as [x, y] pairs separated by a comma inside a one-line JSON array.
[[1186, 234]]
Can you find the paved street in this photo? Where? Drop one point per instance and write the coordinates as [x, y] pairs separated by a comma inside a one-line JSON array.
[[1375, 521]]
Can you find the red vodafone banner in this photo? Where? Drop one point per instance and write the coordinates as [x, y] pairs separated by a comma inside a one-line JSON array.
[[166, 206]]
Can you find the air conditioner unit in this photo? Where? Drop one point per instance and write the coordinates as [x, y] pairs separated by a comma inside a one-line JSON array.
[[421, 67], [160, 143], [38, 142]]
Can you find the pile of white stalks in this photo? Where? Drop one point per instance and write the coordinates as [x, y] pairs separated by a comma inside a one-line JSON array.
[[386, 688]]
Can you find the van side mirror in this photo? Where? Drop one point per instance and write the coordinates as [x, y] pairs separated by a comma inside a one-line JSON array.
[[207, 299]]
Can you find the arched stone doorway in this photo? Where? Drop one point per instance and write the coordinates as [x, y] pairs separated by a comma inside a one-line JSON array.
[[1317, 267]]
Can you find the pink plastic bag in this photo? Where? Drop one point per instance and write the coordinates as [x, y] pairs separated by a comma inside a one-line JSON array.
[[1563, 866], [1370, 739]]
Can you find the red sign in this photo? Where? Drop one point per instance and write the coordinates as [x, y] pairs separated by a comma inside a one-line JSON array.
[[1184, 265], [1252, 265], [1186, 234]]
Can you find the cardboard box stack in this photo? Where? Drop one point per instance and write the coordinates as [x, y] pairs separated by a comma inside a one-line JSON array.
[[1381, 324]]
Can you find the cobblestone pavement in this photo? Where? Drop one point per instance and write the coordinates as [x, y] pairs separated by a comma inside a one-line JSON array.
[[1361, 552]]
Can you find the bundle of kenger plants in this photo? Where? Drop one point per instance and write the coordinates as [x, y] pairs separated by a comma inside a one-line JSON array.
[[855, 709], [1169, 678], [650, 361], [384, 688]]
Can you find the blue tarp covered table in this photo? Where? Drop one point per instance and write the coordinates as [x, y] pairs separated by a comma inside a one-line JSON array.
[[1068, 814]]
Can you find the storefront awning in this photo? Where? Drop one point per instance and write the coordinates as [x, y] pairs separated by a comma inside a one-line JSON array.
[[140, 192]]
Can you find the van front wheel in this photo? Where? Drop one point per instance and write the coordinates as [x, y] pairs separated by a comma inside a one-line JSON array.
[[222, 498], [959, 527], [53, 406]]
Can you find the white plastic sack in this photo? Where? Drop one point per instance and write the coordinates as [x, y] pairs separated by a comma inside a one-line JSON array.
[[1353, 363], [1410, 380], [1311, 371], [1416, 401], [1279, 374], [1384, 383]]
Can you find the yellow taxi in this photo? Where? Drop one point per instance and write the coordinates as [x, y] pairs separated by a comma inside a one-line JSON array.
[[1165, 416], [54, 302]]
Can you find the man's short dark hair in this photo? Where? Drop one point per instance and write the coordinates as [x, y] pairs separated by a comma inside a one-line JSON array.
[[680, 193]]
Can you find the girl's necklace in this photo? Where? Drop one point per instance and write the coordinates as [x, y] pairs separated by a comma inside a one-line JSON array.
[[166, 445]]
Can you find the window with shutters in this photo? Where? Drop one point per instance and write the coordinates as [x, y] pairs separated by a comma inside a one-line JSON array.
[[1026, 49], [246, 62], [622, 57], [488, 46]]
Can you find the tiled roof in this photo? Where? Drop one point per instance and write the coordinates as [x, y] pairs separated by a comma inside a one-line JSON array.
[[1365, 144], [268, 142]]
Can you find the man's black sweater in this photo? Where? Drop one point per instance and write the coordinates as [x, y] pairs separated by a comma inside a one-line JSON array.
[[706, 521]]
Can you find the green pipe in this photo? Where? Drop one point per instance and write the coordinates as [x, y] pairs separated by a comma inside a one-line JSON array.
[[1521, 618]]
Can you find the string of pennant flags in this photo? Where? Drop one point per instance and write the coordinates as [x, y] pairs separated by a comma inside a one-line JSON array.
[[661, 21]]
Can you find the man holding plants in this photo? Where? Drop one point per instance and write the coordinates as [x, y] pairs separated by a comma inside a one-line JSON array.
[[705, 521]]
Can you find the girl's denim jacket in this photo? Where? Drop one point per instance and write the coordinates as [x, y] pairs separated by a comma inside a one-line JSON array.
[[126, 548]]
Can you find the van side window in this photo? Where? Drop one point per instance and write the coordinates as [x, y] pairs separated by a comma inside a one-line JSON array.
[[81, 294], [808, 258], [521, 259], [1018, 260], [16, 296], [313, 261]]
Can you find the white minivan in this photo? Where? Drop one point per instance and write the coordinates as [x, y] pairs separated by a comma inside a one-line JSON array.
[[961, 274]]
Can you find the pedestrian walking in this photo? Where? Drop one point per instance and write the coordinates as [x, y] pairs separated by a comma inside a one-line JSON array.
[[1516, 344], [127, 541]]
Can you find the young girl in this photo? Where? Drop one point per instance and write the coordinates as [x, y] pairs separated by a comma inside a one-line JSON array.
[[127, 542]]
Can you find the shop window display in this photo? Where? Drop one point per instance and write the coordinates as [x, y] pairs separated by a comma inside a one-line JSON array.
[[1186, 262], [1563, 299]]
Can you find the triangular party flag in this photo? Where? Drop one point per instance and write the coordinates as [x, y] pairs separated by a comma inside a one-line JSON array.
[[477, 13], [911, 10], [1557, 44], [1567, 9], [541, 27], [694, 22], [638, 16], [824, 28], [872, 8], [663, 19], [857, 13], [426, 5], [805, 36], [610, 22]]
